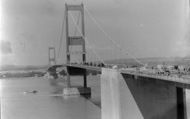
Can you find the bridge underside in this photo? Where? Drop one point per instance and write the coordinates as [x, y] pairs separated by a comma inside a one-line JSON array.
[[126, 97], [156, 99], [75, 71]]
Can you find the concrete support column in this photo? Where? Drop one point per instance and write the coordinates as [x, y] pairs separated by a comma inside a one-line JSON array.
[[110, 95], [116, 100]]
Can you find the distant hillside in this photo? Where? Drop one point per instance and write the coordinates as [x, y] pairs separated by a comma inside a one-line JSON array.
[[19, 67], [153, 61]]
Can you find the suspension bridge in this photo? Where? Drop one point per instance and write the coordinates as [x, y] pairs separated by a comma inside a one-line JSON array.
[[151, 95], [82, 40], [126, 93]]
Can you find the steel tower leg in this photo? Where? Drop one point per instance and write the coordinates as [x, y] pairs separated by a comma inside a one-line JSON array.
[[52, 56]]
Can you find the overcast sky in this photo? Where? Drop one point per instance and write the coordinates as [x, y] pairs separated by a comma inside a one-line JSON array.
[[145, 28]]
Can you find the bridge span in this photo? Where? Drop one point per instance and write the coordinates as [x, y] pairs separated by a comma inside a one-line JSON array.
[[134, 95], [125, 94], [176, 81]]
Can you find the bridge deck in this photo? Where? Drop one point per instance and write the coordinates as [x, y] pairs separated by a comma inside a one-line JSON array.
[[179, 82], [85, 67]]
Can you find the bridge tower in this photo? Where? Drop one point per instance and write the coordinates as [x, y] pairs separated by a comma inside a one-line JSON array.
[[75, 40], [52, 56]]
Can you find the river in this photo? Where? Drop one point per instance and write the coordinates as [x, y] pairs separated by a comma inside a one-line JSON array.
[[40, 98]]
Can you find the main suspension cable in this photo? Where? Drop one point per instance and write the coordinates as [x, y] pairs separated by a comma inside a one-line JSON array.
[[61, 36]]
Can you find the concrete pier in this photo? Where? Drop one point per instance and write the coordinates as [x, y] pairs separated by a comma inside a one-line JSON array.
[[77, 91], [125, 96]]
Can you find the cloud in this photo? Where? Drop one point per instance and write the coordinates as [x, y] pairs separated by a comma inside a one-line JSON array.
[[32, 7], [5, 47]]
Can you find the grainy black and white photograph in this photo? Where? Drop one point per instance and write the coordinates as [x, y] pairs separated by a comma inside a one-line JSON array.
[[95, 59]]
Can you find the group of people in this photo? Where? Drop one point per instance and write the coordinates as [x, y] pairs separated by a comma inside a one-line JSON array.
[[96, 64]]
